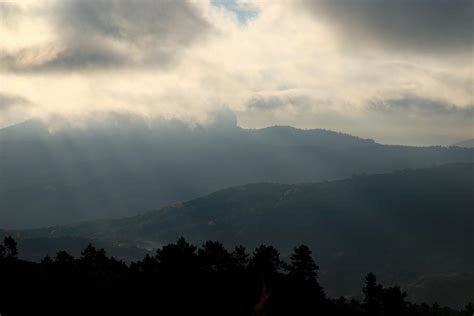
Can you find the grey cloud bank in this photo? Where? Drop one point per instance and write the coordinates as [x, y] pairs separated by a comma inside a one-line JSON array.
[[428, 26], [9, 101], [155, 30], [112, 33], [371, 68]]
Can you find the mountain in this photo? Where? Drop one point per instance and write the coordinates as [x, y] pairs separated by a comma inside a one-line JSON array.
[[405, 226], [467, 143], [123, 166]]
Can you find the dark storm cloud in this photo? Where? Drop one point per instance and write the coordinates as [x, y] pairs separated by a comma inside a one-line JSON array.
[[77, 56], [274, 102], [423, 107], [114, 33], [166, 23], [84, 57], [266, 103], [436, 26]]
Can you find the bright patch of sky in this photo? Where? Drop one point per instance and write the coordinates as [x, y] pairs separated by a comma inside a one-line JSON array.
[[244, 10]]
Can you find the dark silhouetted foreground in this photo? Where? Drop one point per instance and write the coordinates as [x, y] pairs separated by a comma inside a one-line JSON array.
[[183, 280]]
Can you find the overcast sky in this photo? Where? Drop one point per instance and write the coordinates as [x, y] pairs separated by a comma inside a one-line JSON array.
[[398, 71]]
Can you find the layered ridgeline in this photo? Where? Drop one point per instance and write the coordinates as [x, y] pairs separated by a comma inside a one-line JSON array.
[[469, 143], [411, 227], [123, 166]]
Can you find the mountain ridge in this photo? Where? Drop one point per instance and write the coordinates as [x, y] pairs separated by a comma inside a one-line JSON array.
[[126, 168]]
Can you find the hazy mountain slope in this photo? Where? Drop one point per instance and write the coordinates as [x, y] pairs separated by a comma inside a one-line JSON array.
[[467, 143], [124, 166], [454, 289], [401, 225]]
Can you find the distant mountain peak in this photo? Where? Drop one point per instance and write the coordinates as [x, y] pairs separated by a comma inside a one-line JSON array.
[[288, 135]]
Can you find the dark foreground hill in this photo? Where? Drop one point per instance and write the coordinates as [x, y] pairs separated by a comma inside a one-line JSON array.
[[182, 279], [124, 166], [411, 227]]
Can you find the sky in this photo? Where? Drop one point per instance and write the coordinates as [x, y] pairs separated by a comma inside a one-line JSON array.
[[397, 71]]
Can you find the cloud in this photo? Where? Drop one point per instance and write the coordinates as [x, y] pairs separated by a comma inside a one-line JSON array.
[[112, 33], [283, 101], [266, 103], [8, 11], [423, 108], [419, 120], [427, 26], [188, 60], [9, 101], [57, 57]]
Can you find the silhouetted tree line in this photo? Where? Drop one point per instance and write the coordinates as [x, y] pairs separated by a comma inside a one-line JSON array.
[[181, 279]]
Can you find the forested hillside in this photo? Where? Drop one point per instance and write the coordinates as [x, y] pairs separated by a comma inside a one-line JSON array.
[[126, 166], [403, 225]]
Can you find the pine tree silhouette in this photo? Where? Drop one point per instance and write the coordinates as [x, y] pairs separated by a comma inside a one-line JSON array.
[[210, 281], [2, 252], [302, 265], [373, 295], [214, 257], [240, 258], [266, 259], [10, 245]]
